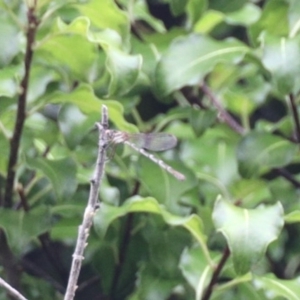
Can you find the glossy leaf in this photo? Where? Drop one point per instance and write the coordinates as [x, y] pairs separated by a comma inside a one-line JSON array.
[[87, 102], [247, 15], [195, 9], [9, 81], [293, 217], [208, 21], [61, 174], [213, 157], [274, 287], [281, 57], [4, 150], [242, 229], [196, 270], [25, 227], [251, 191], [108, 214], [160, 184], [9, 41], [61, 51], [201, 120], [258, 152], [190, 58], [273, 11], [141, 12], [177, 6], [111, 16], [74, 125], [124, 70]]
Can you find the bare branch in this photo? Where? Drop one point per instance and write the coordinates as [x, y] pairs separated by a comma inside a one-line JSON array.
[[13, 292], [84, 228], [216, 274], [21, 110], [223, 113], [295, 116]]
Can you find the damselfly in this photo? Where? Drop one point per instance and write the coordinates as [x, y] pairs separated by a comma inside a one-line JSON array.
[[150, 141]]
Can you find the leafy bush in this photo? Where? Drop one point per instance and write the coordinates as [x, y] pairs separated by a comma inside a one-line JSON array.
[[222, 76]]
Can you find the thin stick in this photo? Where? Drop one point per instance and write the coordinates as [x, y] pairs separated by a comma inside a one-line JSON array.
[[295, 116], [83, 231], [223, 113], [216, 274], [21, 110], [11, 290]]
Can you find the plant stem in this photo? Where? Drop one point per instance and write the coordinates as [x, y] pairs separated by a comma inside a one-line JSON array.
[[295, 116], [216, 274], [21, 110], [223, 113], [84, 228], [13, 292]]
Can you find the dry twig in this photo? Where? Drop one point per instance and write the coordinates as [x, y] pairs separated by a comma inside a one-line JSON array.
[[84, 228]]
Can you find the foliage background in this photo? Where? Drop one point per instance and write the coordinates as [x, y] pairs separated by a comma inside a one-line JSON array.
[[223, 76]]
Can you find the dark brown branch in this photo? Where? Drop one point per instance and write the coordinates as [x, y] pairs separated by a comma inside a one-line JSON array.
[[223, 113], [7, 259], [295, 116], [9, 263], [216, 274], [234, 125], [23, 198], [284, 173], [21, 109]]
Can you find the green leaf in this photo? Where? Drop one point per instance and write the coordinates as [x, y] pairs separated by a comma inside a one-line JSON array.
[[124, 70], [273, 11], [153, 285], [9, 40], [212, 157], [252, 191], [141, 12], [41, 128], [258, 152], [62, 50], [282, 58], [293, 217], [21, 227], [178, 6], [61, 173], [228, 6], [209, 21], [190, 58], [195, 9], [9, 81], [242, 229], [196, 270], [66, 228], [107, 214], [201, 120], [40, 77], [246, 16], [4, 151], [111, 16], [294, 12], [161, 185], [84, 98], [74, 125], [274, 287]]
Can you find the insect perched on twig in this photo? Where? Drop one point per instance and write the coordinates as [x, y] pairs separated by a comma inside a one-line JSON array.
[[151, 141]]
